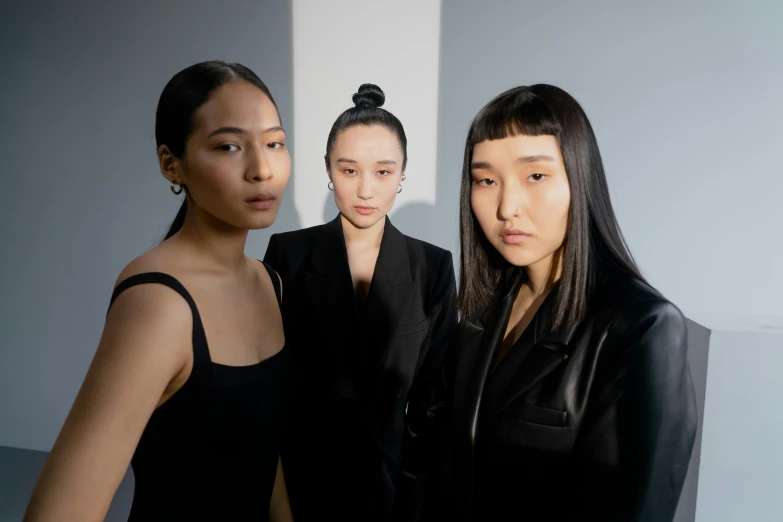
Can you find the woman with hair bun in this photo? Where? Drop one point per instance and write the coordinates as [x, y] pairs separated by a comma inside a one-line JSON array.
[[368, 315]]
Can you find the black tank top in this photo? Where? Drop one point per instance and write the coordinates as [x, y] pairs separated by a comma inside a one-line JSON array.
[[210, 452]]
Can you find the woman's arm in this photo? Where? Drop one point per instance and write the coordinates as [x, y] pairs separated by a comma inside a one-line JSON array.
[[144, 346], [634, 448]]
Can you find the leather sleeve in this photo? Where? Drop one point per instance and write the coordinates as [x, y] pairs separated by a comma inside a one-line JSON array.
[[634, 447]]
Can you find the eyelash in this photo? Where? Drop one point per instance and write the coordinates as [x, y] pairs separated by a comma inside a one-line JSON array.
[[481, 183], [275, 145], [351, 172]]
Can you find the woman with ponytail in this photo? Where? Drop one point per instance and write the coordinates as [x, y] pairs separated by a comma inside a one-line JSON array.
[[191, 378], [368, 315]]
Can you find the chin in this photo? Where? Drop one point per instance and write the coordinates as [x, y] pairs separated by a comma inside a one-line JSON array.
[[261, 222], [262, 225], [360, 221], [517, 256]]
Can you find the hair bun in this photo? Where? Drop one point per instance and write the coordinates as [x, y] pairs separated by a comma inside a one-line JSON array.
[[369, 95]]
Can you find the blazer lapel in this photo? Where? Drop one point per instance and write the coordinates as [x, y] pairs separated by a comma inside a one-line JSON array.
[[330, 290], [482, 337], [493, 322], [391, 291], [538, 353]]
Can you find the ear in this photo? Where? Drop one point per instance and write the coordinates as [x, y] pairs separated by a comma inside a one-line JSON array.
[[328, 170], [169, 165]]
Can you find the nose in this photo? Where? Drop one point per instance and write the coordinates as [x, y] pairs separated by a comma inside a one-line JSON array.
[[366, 188], [259, 167], [512, 202]]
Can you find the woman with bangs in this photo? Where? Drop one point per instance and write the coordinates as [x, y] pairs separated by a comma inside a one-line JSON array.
[[568, 393]]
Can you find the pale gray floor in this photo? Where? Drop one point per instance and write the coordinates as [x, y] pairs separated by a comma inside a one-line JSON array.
[[19, 470]]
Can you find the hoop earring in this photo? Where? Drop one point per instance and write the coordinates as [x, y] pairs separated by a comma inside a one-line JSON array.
[[399, 189], [174, 191], [330, 186]]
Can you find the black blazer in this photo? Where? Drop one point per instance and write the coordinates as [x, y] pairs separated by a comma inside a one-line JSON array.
[[357, 369], [592, 423]]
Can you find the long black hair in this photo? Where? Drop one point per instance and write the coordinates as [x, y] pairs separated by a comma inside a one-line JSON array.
[[188, 90], [367, 111], [593, 240]]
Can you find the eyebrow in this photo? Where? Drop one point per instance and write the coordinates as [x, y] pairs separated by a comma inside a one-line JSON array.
[[477, 165], [534, 159], [379, 162], [238, 130]]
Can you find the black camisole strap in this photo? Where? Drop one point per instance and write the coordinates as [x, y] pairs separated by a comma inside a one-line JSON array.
[[201, 358], [275, 282]]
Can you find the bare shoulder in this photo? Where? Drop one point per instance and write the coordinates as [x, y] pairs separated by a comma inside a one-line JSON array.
[[154, 306], [141, 360], [161, 258]]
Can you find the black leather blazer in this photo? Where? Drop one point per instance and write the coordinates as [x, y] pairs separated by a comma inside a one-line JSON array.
[[592, 423], [357, 368]]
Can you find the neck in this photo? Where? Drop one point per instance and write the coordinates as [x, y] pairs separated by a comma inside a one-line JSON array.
[[365, 237], [215, 242]]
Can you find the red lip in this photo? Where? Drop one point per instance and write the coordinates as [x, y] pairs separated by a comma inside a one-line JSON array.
[[512, 236]]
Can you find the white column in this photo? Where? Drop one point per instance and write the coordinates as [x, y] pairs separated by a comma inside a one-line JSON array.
[[338, 45]]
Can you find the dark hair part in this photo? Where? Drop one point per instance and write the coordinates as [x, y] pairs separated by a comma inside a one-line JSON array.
[[593, 240], [367, 111], [188, 90]]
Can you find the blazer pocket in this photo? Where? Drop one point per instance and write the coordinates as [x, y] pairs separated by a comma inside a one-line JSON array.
[[409, 329], [539, 415]]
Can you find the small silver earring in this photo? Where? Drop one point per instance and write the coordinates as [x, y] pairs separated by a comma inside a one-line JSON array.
[[330, 186], [404, 177], [176, 191], [399, 189]]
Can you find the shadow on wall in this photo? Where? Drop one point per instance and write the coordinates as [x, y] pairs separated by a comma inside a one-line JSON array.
[[330, 208]]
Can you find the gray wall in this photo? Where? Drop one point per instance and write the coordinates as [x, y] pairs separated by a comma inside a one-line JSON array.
[[685, 100], [81, 191]]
